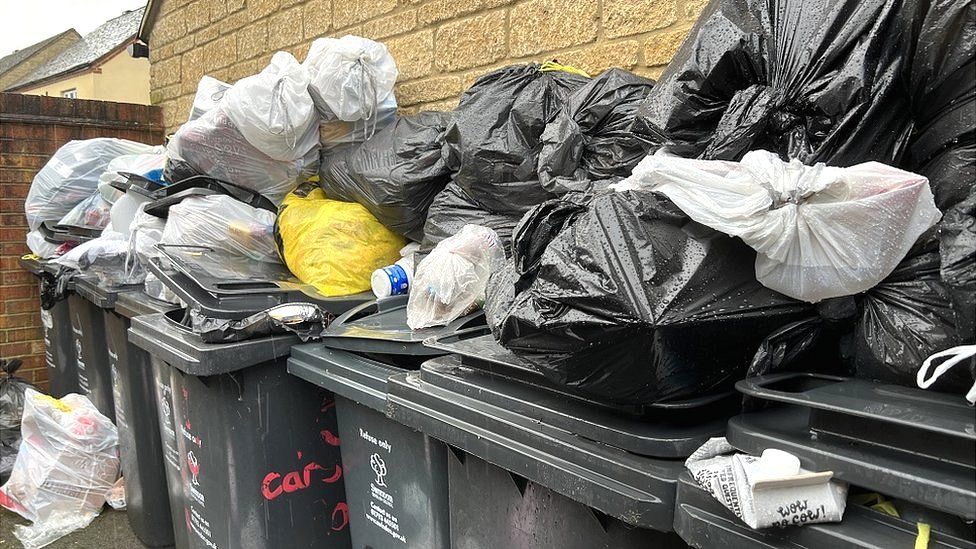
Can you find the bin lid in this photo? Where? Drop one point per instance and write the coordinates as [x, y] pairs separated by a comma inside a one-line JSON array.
[[220, 288], [380, 326], [136, 303], [102, 296], [702, 521], [201, 185], [54, 233], [178, 346], [32, 264], [910, 444], [635, 489], [346, 374]]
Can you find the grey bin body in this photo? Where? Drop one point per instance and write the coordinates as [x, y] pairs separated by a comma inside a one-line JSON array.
[[251, 452], [136, 415], [59, 345]]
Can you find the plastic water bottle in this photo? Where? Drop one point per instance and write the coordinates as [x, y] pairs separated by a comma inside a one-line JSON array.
[[395, 279]]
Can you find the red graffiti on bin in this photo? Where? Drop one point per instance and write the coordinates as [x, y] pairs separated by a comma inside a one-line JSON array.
[[275, 485], [342, 510]]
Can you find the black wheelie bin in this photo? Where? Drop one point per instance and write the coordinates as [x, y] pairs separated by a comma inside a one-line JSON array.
[[258, 462], [532, 465], [396, 478], [59, 347]]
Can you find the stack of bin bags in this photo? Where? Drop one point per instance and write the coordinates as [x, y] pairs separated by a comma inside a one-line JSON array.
[[818, 81], [943, 83], [493, 146], [70, 177], [351, 83], [395, 174], [66, 466], [333, 245], [262, 135], [224, 225], [590, 138], [620, 296]]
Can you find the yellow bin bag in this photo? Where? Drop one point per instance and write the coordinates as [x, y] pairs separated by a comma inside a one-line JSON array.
[[332, 245]]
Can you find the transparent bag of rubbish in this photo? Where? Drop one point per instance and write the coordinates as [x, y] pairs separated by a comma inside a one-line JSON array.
[[72, 175], [90, 213], [67, 464], [350, 77], [209, 92], [820, 231], [222, 223], [451, 281]]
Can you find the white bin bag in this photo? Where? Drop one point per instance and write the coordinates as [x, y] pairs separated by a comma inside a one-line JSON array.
[[350, 77]]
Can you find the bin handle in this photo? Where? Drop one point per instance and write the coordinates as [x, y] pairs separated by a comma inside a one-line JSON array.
[[758, 387]]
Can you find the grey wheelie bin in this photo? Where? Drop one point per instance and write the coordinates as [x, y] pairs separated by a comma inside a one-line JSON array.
[[257, 462], [532, 465], [396, 478], [136, 415], [916, 447], [59, 348]]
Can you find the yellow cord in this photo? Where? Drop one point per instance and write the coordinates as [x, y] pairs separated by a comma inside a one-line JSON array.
[[554, 66], [922, 540]]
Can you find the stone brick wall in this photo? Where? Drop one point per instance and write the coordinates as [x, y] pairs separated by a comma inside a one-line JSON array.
[[32, 128], [441, 46]]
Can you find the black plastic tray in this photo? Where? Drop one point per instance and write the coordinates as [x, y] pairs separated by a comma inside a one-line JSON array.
[[906, 443]]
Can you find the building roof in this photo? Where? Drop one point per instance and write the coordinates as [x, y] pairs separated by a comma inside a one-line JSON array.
[[8, 62], [107, 38]]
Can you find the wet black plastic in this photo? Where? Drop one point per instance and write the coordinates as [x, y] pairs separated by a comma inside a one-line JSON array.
[[909, 444], [136, 415], [452, 209], [589, 138], [704, 523], [621, 297], [905, 319], [957, 250], [251, 452], [943, 83], [494, 140], [394, 174], [634, 489], [821, 81]]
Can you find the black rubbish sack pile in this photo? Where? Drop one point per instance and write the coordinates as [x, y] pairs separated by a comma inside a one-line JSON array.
[[620, 296], [590, 137], [943, 82], [395, 174], [817, 81], [452, 209], [957, 248], [12, 391]]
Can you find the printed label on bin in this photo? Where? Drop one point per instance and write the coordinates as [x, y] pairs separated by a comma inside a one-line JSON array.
[[117, 391], [192, 471], [382, 504], [83, 384], [164, 397], [47, 322]]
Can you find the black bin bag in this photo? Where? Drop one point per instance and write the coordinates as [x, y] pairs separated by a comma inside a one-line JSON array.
[[621, 297], [453, 208], [817, 80], [590, 137], [957, 249], [494, 141], [943, 83], [395, 174]]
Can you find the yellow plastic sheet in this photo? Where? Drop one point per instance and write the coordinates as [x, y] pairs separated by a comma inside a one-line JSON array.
[[332, 245]]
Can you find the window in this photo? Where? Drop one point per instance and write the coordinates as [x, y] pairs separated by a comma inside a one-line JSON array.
[[70, 94]]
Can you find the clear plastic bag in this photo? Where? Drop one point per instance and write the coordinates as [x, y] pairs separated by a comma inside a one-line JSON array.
[[222, 223], [146, 165], [67, 464], [72, 175], [209, 93], [451, 281], [91, 213], [820, 231], [40, 247], [273, 109], [350, 77]]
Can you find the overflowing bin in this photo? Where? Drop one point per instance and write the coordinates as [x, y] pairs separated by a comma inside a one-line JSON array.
[[255, 448], [396, 478], [59, 348], [136, 415], [556, 469]]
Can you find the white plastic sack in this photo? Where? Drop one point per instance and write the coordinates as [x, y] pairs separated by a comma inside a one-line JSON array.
[[451, 281], [140, 164], [209, 92], [770, 490], [273, 109], [72, 175], [40, 247], [222, 223], [350, 77], [66, 466], [90, 213], [820, 231]]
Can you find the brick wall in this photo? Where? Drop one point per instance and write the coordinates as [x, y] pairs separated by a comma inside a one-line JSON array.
[[441, 46], [32, 128]]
